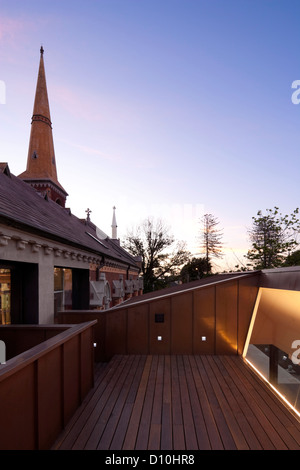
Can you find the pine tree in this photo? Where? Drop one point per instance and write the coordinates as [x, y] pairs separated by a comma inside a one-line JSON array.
[[211, 239], [273, 237]]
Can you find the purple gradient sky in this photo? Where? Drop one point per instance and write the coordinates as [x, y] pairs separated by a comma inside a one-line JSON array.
[[168, 108]]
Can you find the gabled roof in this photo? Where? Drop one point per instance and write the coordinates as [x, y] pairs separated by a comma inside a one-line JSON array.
[[21, 206]]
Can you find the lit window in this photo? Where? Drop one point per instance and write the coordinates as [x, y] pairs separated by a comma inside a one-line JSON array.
[[62, 289], [5, 296]]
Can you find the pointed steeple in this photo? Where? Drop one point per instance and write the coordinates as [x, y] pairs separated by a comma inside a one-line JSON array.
[[114, 225], [41, 170]]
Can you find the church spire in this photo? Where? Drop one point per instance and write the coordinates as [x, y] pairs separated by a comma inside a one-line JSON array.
[[114, 225], [41, 170]]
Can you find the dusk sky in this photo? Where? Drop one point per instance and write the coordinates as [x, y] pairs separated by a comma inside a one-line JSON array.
[[163, 108]]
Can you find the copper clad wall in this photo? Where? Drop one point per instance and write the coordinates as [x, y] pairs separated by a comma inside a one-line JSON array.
[[163, 329], [213, 319], [204, 324], [42, 387], [18, 411], [182, 324], [137, 335], [226, 318], [49, 384]]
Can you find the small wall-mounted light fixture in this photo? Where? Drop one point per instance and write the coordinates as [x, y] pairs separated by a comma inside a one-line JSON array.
[[95, 345], [159, 338], [159, 318], [203, 338]]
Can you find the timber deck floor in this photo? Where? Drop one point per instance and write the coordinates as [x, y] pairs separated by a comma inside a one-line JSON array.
[[180, 403]]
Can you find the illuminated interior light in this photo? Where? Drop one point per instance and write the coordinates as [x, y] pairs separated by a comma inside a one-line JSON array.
[[273, 388], [203, 338], [159, 338], [250, 329]]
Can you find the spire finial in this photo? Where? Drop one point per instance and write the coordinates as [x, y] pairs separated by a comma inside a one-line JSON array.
[[42, 50], [114, 225], [88, 212]]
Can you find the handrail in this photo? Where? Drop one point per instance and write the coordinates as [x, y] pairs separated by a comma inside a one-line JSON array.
[[21, 360], [43, 386]]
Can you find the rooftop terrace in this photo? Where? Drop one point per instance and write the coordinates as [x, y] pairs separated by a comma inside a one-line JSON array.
[[180, 402], [169, 372]]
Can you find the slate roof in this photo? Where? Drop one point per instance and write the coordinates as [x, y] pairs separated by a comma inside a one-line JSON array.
[[22, 207]]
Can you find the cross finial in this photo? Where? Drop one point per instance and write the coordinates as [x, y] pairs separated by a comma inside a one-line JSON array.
[[88, 211], [42, 50]]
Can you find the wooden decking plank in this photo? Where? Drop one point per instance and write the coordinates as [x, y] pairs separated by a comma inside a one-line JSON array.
[[229, 416], [251, 391], [133, 426], [232, 395], [144, 428], [83, 413], [210, 423], [188, 421], [181, 403], [286, 417], [155, 426], [256, 420], [166, 416], [222, 425], [199, 421], [106, 404], [106, 419], [177, 419], [248, 423], [86, 424], [273, 408], [118, 405], [229, 391], [123, 423]]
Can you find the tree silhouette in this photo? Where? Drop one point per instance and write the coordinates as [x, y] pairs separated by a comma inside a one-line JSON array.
[[211, 239], [150, 242], [273, 237]]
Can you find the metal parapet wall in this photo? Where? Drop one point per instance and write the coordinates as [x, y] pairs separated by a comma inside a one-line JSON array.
[[209, 318], [41, 388]]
